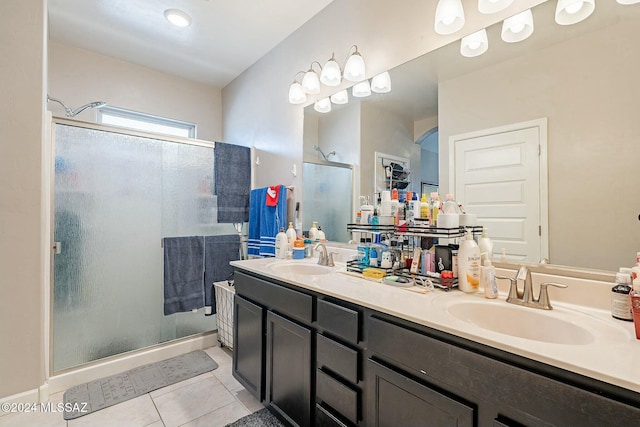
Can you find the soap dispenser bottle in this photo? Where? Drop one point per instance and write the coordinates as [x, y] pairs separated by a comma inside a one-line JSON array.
[[469, 264], [313, 231], [489, 280], [291, 234], [486, 246], [620, 299]]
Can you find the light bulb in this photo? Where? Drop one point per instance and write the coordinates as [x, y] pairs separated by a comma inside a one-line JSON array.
[[570, 12], [177, 17], [311, 83], [331, 75], [574, 7], [518, 27], [354, 69], [361, 89], [381, 83], [449, 16], [296, 93], [322, 105], [474, 44], [341, 97]]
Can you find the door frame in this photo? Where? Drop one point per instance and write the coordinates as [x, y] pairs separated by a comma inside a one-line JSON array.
[[541, 125]]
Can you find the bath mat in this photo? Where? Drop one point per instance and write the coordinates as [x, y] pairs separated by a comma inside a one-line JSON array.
[[261, 418], [99, 394]]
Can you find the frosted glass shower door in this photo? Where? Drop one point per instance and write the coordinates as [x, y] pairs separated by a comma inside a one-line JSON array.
[[115, 197], [327, 195]]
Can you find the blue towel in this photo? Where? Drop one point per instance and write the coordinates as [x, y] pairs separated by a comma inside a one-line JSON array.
[[272, 218], [219, 251], [256, 200], [232, 170], [183, 274]]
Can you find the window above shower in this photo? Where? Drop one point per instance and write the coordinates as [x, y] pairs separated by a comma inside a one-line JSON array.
[[115, 116]]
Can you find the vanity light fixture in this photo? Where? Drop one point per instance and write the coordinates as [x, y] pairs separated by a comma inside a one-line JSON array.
[[341, 97], [331, 74], [474, 44], [449, 16], [518, 27], [310, 81], [362, 89], [493, 6], [627, 2], [570, 12], [322, 105], [177, 17], [381, 83], [354, 69]]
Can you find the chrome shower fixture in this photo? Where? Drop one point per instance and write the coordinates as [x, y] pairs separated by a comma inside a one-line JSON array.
[[326, 156], [68, 112]]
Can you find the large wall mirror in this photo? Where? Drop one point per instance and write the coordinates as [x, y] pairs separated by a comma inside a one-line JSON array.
[[582, 78]]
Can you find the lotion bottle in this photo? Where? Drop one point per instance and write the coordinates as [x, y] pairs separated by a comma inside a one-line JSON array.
[[282, 244], [469, 264], [620, 299], [313, 232], [486, 246], [291, 234]]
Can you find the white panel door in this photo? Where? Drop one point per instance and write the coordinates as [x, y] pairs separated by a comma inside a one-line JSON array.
[[499, 175]]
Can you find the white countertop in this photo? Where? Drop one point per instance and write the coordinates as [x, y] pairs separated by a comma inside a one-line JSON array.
[[613, 356]]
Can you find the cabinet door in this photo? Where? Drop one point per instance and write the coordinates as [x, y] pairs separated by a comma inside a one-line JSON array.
[[289, 369], [248, 338], [395, 400]]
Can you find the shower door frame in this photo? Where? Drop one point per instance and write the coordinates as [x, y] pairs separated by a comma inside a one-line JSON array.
[[49, 302]]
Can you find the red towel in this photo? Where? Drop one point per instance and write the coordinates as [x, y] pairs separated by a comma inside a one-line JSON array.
[[272, 195]]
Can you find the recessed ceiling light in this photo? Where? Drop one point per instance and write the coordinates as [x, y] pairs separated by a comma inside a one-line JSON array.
[[177, 17]]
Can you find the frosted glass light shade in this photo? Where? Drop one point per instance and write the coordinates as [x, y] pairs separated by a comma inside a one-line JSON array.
[[361, 89], [354, 69], [322, 105], [341, 97], [296, 93], [177, 17], [493, 6], [449, 16], [626, 2], [518, 27], [381, 83], [311, 82], [570, 12], [331, 74], [474, 44]]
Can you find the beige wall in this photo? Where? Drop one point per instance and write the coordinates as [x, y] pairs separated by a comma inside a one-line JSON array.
[[255, 105], [78, 76], [588, 88], [22, 211]]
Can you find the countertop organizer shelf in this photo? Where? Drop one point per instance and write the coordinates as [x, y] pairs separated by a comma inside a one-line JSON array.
[[415, 230]]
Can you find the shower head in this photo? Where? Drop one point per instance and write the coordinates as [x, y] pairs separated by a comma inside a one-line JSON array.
[[326, 156], [68, 112]]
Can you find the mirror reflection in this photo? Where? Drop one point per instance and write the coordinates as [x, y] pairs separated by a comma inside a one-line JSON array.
[[582, 79]]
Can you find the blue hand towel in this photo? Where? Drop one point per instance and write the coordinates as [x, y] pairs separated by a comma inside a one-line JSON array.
[[232, 170], [272, 218], [183, 274], [256, 201], [219, 251]]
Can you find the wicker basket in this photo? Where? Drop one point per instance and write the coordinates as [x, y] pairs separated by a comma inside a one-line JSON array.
[[224, 310]]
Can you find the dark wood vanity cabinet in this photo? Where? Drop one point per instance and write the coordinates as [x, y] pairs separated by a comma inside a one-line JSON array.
[[317, 360]]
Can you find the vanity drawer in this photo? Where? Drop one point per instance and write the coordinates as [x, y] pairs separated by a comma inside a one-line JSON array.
[[324, 418], [337, 395], [339, 321], [278, 298], [338, 358]]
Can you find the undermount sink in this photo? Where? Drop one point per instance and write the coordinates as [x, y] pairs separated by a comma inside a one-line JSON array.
[[299, 268], [555, 327]]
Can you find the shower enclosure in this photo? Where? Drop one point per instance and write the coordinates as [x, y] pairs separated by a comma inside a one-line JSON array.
[[116, 195]]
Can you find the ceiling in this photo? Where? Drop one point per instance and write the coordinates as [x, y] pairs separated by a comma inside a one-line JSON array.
[[225, 37]]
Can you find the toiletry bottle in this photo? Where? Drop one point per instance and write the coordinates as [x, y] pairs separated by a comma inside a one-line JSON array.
[[620, 299], [635, 274], [450, 206], [414, 210], [435, 208], [489, 280], [486, 246], [424, 207], [469, 264], [321, 235], [373, 256], [282, 244], [375, 220], [291, 234], [313, 231], [359, 217], [363, 253], [367, 211]]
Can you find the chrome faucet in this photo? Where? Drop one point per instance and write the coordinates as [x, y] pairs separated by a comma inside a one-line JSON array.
[[323, 257], [525, 296]]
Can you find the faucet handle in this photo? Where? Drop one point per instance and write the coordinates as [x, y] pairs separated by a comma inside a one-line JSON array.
[[543, 300], [513, 289], [330, 261]]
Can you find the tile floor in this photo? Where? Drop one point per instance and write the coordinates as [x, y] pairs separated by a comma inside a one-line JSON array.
[[211, 399]]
